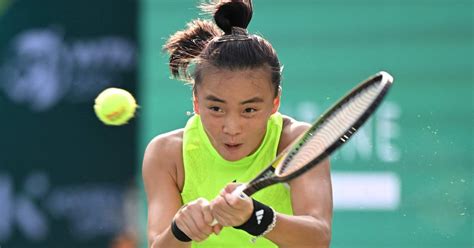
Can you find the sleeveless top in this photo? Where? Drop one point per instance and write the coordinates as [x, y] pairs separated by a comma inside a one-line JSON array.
[[206, 173]]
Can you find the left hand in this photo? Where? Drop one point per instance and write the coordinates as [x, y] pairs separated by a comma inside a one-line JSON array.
[[229, 209]]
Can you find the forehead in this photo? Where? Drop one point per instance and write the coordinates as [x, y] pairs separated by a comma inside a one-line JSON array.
[[217, 80]]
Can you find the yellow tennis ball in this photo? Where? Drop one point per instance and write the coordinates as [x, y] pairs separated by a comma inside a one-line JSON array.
[[115, 106]]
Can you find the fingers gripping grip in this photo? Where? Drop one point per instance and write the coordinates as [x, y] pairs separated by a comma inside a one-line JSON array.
[[237, 192]]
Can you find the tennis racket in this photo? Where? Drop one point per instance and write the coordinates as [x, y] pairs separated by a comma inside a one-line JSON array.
[[332, 130]]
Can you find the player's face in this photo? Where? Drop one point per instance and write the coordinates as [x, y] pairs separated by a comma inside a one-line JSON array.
[[234, 107]]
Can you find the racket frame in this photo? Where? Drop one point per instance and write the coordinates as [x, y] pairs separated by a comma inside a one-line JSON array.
[[268, 176]]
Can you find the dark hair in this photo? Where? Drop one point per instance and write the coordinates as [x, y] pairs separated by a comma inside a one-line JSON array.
[[226, 45]]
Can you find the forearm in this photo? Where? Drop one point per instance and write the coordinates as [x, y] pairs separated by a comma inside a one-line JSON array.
[[300, 231], [167, 239]]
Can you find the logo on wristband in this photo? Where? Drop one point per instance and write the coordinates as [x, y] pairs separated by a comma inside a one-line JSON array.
[[259, 215]]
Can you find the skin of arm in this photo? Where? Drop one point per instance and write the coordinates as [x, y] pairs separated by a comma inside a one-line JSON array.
[[311, 197], [163, 176]]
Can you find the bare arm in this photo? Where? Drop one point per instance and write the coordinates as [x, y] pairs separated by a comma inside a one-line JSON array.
[[164, 200], [311, 197], [162, 161]]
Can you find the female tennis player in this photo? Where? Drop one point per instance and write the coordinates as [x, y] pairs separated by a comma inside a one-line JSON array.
[[236, 131]]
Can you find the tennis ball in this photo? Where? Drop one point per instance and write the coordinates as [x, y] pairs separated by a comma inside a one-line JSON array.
[[115, 106]]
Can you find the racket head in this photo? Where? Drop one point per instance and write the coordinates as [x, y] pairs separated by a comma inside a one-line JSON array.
[[334, 128]]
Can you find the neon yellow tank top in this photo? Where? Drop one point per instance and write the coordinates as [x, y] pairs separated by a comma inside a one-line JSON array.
[[206, 173]]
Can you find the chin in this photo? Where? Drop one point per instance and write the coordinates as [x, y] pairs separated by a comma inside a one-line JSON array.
[[232, 156]]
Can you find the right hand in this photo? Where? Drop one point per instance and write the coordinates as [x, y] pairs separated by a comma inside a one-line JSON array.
[[232, 207], [195, 219]]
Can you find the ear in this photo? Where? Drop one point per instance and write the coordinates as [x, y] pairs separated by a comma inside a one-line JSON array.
[[195, 104], [276, 101]]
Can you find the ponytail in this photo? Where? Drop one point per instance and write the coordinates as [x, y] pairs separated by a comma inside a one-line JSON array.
[[185, 46]]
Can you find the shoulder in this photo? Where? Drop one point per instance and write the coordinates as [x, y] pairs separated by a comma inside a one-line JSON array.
[[166, 142], [166, 145], [164, 154], [291, 130]]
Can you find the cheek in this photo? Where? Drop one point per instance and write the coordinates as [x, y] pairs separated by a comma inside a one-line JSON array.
[[257, 127], [211, 125]]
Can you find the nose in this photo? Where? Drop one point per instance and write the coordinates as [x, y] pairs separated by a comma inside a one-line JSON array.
[[232, 126]]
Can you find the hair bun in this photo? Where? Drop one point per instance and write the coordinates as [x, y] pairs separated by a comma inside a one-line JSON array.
[[235, 13]]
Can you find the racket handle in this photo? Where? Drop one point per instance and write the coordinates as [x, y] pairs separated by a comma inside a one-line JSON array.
[[237, 192]]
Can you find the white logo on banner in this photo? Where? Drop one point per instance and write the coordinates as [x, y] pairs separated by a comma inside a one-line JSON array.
[[374, 190], [374, 140], [41, 67], [89, 211]]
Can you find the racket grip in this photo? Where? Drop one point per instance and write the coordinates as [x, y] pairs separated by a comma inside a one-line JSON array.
[[237, 192]]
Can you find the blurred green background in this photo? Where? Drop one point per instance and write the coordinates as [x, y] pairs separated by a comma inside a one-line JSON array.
[[406, 179], [67, 180]]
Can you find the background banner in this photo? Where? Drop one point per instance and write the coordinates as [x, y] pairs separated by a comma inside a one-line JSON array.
[[405, 180], [64, 176]]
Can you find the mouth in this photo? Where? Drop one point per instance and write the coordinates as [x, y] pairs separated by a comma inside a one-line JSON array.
[[232, 146]]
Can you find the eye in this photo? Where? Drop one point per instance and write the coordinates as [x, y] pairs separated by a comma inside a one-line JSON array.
[[249, 110], [215, 109]]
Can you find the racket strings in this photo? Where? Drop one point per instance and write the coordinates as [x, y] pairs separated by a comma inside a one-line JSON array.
[[338, 125]]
